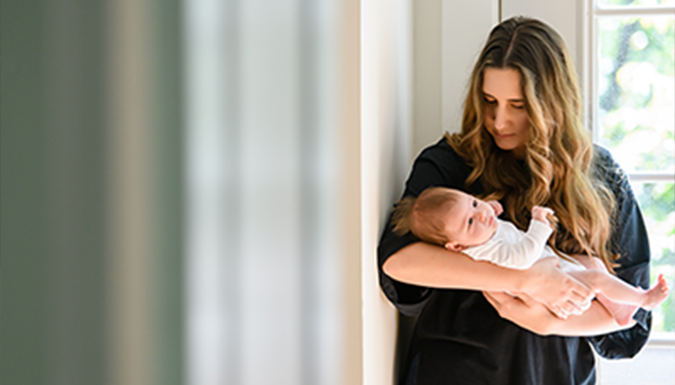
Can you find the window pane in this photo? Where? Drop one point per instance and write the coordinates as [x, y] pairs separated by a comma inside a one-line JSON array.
[[636, 85], [640, 3], [657, 201]]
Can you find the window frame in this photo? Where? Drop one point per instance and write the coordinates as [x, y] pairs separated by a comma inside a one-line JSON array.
[[591, 15]]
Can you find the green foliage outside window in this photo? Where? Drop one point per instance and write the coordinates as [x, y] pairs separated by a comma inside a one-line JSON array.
[[636, 116]]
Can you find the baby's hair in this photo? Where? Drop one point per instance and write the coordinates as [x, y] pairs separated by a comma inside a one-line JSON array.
[[402, 215], [423, 215]]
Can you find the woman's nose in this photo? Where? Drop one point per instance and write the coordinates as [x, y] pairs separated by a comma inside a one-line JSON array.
[[500, 118]]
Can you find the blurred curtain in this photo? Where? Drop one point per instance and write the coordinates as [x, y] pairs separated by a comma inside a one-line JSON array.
[[179, 192], [263, 192], [91, 192]]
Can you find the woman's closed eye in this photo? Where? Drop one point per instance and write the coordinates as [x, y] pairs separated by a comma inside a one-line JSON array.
[[517, 105]]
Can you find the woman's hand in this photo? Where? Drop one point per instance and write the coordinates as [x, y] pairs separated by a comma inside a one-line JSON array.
[[563, 295], [522, 310]]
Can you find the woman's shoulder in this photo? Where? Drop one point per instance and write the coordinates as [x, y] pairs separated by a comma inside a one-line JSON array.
[[606, 168], [440, 149], [443, 155], [438, 165], [602, 155]]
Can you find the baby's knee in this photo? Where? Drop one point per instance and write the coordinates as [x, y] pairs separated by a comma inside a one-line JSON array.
[[590, 262], [595, 277], [598, 264], [591, 278]]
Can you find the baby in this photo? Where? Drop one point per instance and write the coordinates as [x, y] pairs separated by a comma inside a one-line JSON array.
[[461, 222]]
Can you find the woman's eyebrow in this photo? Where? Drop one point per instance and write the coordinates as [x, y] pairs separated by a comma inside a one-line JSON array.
[[509, 100]]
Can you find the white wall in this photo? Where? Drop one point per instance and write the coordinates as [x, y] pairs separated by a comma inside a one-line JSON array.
[[385, 143], [448, 35], [466, 26], [427, 73], [564, 16]]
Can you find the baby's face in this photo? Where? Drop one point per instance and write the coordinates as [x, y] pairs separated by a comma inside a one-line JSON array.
[[471, 221]]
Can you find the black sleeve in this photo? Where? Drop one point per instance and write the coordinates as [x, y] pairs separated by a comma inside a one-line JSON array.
[[437, 165], [629, 239]]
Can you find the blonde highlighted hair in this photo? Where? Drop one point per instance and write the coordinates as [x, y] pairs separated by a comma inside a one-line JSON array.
[[557, 170]]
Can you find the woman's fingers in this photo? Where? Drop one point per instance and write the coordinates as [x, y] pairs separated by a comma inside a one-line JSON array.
[[570, 308], [561, 293], [578, 300], [522, 311], [583, 300], [559, 312], [581, 293], [506, 304], [574, 304]]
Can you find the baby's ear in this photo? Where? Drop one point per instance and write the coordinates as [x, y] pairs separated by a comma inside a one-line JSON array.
[[454, 246]]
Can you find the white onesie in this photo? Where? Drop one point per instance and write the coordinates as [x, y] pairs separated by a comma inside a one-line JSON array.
[[513, 248]]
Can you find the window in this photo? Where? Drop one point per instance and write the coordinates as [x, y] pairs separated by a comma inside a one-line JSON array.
[[630, 98]]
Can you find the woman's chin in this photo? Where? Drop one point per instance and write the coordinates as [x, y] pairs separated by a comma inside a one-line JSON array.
[[517, 151]]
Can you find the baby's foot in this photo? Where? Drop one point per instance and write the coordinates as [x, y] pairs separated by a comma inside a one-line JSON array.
[[657, 294]]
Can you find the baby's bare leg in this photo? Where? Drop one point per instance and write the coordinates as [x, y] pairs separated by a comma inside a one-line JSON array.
[[598, 282], [621, 299]]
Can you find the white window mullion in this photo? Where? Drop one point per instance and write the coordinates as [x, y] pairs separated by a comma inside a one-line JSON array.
[[634, 11], [646, 177]]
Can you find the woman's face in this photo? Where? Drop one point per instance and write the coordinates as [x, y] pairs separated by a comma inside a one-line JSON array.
[[506, 118]]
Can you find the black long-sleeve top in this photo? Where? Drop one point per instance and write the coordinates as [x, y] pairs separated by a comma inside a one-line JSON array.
[[459, 338]]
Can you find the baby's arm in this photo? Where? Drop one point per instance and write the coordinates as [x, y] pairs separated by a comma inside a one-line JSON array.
[[541, 214], [520, 253]]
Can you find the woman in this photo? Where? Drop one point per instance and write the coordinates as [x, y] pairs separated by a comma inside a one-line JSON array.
[[522, 142]]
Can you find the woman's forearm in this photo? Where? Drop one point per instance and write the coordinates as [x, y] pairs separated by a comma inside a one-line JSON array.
[[534, 317], [595, 321], [427, 265]]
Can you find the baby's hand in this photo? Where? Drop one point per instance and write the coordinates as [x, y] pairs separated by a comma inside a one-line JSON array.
[[496, 206], [540, 213]]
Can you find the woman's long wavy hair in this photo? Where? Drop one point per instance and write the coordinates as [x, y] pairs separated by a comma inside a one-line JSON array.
[[557, 170]]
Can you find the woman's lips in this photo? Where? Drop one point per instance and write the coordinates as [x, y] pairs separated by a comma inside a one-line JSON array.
[[503, 136]]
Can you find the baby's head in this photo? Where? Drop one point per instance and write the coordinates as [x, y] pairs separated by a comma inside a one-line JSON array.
[[446, 217]]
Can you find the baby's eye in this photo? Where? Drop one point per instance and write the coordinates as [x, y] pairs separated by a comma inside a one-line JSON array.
[[470, 221], [474, 203]]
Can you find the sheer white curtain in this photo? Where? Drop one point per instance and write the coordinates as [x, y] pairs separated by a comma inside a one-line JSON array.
[[263, 142]]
